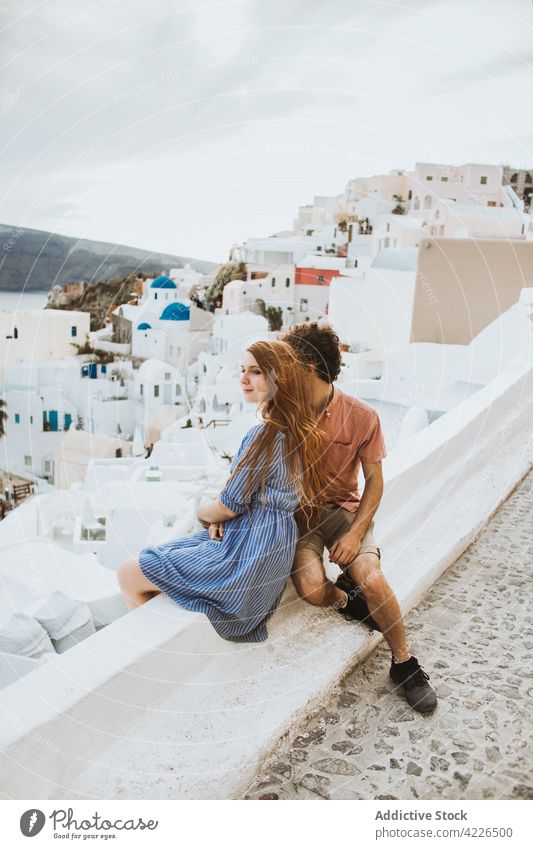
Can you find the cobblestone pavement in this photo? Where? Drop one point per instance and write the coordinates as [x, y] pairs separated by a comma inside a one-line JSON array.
[[473, 635]]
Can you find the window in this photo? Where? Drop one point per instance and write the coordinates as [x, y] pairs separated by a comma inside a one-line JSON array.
[[178, 390], [73, 330], [409, 194], [155, 296], [444, 179], [388, 226], [47, 467], [303, 304], [287, 282], [386, 242], [27, 459], [141, 389], [491, 203], [168, 375], [437, 213], [321, 278], [31, 419], [156, 391], [483, 181], [15, 333], [273, 282], [17, 418], [104, 369], [429, 177]]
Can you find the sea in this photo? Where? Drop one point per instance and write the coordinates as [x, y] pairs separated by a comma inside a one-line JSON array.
[[19, 301]]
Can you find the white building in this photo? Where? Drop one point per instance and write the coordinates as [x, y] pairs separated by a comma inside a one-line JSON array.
[[41, 404], [131, 503], [164, 324], [450, 219], [415, 384], [276, 289], [76, 450], [232, 331], [262, 255], [372, 309], [160, 395], [397, 231], [175, 335], [420, 190], [45, 398], [40, 334], [104, 399], [187, 280]]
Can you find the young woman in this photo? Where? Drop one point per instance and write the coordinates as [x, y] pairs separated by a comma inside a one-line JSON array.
[[236, 569]]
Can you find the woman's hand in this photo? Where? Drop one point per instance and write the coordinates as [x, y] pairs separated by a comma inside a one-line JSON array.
[[216, 530]]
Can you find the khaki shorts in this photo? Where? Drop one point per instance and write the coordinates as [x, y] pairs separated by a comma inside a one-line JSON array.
[[334, 522]]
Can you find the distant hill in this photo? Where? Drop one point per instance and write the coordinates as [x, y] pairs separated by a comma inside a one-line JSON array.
[[35, 260]]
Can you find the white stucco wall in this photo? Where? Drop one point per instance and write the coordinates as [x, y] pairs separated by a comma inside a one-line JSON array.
[[374, 310], [42, 334]]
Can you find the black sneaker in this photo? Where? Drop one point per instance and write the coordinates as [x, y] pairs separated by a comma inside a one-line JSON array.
[[414, 681], [357, 607]]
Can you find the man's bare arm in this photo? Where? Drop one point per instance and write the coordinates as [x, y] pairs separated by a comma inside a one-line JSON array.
[[370, 499], [346, 548]]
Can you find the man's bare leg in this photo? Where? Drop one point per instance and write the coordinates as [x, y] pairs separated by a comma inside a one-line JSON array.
[[311, 582], [366, 572]]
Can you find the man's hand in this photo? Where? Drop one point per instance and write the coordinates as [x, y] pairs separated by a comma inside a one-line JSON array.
[[345, 549], [216, 530]]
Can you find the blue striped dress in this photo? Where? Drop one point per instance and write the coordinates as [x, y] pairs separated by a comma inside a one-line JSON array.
[[237, 581]]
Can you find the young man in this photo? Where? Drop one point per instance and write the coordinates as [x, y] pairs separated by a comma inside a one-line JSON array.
[[345, 527]]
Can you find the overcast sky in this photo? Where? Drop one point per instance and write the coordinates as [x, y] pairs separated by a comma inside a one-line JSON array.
[[188, 126]]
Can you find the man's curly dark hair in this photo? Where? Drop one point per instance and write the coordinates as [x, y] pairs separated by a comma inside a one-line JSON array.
[[316, 345]]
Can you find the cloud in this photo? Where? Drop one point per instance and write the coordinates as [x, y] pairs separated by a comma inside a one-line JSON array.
[[132, 118]]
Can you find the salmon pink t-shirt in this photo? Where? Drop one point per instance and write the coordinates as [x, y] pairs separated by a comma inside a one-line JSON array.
[[353, 433]]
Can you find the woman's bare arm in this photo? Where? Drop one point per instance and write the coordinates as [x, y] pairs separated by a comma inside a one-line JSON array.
[[214, 511]]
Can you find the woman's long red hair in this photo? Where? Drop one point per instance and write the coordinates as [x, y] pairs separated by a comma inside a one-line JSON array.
[[288, 409]]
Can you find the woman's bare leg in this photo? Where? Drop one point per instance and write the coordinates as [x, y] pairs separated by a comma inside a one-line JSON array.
[[135, 586]]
